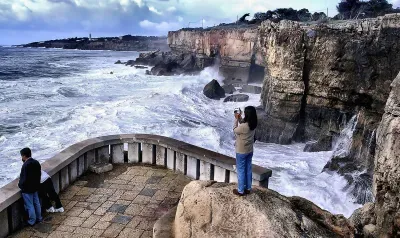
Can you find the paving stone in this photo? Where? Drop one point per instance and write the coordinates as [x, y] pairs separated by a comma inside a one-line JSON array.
[[118, 208], [113, 230], [130, 232], [81, 183], [148, 192], [65, 228], [135, 222], [94, 206], [100, 211], [80, 198], [70, 205], [43, 228], [73, 221], [154, 180], [107, 204], [23, 234], [102, 225], [123, 202], [88, 231], [129, 195], [146, 225], [75, 211], [121, 219], [108, 216], [134, 209], [55, 219], [91, 221], [82, 204], [140, 199], [86, 213]]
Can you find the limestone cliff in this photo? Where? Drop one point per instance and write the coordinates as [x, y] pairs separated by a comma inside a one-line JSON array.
[[234, 47], [317, 77], [387, 167]]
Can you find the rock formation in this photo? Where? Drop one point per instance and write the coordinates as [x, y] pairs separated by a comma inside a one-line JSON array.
[[237, 98], [213, 90], [387, 167], [208, 209]]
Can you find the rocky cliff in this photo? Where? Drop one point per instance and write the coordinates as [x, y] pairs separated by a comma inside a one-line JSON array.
[[234, 47]]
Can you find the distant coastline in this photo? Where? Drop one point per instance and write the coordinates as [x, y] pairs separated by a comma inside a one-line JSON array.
[[123, 43]]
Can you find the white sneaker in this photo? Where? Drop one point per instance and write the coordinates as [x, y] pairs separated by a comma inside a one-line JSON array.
[[61, 209], [50, 210]]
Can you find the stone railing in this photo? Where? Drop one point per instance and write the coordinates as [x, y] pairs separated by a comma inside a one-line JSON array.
[[65, 167]]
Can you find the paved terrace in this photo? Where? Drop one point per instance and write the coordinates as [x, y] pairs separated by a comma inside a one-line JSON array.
[[149, 174], [125, 202]]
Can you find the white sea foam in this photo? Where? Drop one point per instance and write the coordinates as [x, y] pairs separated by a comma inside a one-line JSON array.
[[95, 103]]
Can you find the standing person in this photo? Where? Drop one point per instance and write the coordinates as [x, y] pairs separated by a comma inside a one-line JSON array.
[[245, 132], [48, 194], [29, 183]]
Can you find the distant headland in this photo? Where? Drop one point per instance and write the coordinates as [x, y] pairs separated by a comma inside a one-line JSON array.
[[122, 43]]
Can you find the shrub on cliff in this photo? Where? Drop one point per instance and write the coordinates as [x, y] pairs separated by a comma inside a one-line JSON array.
[[302, 15], [356, 9]]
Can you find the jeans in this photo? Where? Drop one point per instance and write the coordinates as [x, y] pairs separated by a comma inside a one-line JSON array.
[[48, 194], [32, 206], [244, 172]]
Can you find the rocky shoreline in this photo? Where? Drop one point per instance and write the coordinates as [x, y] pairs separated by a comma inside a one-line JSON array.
[[123, 43]]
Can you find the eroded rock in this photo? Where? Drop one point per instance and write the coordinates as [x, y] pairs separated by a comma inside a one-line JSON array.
[[237, 98], [324, 143], [229, 88], [209, 209]]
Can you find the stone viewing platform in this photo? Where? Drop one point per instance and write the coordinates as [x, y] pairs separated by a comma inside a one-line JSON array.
[[125, 202], [149, 173]]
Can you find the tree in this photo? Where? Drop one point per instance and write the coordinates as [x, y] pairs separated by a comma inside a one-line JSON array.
[[354, 9]]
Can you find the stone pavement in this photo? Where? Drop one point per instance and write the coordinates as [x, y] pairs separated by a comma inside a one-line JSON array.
[[125, 202]]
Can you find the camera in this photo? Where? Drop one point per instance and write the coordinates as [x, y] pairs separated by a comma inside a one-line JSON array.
[[237, 111]]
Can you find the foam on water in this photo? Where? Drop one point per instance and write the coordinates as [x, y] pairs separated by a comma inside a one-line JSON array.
[[50, 113]]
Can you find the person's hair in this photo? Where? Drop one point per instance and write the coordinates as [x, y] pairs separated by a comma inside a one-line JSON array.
[[250, 116], [26, 152]]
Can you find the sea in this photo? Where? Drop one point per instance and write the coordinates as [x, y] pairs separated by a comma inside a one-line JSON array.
[[53, 98]]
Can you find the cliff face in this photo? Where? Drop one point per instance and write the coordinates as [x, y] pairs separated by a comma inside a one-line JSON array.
[[317, 78], [234, 46], [387, 166]]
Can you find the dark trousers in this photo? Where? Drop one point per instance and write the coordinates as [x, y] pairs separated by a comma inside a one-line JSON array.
[[48, 194]]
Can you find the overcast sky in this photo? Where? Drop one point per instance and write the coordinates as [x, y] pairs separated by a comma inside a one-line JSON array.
[[23, 21]]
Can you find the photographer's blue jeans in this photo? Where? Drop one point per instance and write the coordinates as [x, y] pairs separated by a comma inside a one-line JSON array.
[[244, 172], [32, 206]]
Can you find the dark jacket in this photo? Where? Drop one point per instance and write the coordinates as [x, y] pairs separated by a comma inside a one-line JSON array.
[[29, 179]]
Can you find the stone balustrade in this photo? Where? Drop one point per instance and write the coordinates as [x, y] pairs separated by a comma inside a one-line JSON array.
[[65, 167]]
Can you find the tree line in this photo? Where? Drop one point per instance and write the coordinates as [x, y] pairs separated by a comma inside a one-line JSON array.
[[347, 9]]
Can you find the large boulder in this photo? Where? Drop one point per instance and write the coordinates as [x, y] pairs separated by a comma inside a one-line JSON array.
[[364, 216], [237, 98], [209, 209], [213, 90], [324, 143]]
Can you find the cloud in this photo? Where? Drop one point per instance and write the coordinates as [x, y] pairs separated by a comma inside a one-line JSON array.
[[160, 27], [153, 9]]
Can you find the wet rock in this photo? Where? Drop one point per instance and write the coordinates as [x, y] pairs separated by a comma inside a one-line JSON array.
[[362, 217], [111, 72], [229, 88], [237, 98], [251, 89], [214, 90], [207, 208], [141, 67], [118, 62], [324, 143]]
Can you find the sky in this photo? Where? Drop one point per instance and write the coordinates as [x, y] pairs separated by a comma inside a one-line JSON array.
[[24, 21]]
